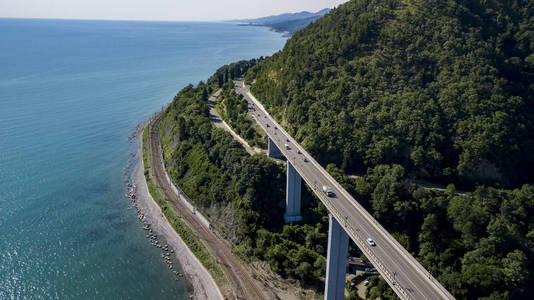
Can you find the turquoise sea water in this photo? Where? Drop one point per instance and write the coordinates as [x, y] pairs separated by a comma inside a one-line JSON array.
[[71, 92]]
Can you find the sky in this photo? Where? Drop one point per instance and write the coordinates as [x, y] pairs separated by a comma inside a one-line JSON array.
[[170, 10]]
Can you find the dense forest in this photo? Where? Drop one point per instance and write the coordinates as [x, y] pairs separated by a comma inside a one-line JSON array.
[[479, 244], [439, 90], [443, 88], [390, 90]]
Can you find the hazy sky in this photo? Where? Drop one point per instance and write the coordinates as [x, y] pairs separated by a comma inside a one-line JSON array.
[[187, 10]]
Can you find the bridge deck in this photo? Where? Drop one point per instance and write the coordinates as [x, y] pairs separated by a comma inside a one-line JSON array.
[[396, 265]]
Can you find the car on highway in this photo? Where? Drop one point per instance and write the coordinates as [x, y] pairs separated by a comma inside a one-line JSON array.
[[371, 242], [328, 191], [286, 146], [304, 159]]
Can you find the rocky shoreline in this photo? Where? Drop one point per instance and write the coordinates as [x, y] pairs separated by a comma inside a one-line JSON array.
[[154, 222]]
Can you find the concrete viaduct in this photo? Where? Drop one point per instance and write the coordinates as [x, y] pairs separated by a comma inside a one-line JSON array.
[[348, 219]]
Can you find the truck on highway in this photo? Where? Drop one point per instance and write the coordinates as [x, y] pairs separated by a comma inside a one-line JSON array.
[[328, 191]]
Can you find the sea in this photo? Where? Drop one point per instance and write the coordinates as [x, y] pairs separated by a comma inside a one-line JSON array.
[[71, 93]]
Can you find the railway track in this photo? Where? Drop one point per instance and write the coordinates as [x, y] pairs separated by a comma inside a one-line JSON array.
[[246, 286]]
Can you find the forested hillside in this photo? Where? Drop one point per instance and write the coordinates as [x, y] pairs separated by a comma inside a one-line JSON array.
[[443, 88], [480, 244], [242, 195], [436, 90]]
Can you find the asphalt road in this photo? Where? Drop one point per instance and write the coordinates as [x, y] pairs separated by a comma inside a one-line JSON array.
[[396, 265]]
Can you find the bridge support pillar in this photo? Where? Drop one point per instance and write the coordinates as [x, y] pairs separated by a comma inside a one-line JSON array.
[[336, 262], [293, 187], [272, 150]]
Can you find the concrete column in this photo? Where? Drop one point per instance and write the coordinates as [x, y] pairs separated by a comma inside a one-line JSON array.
[[336, 261], [293, 185], [272, 150]]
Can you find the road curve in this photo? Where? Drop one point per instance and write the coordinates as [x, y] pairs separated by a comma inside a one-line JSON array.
[[397, 266], [241, 278]]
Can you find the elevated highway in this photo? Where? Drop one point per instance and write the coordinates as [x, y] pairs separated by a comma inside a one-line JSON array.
[[397, 266]]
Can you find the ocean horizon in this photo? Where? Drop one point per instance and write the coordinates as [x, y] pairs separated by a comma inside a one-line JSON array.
[[71, 93]]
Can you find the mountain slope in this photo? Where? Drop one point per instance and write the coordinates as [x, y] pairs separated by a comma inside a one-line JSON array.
[[285, 17], [393, 89], [442, 88]]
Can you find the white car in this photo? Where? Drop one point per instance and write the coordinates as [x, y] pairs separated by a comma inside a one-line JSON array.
[[371, 242]]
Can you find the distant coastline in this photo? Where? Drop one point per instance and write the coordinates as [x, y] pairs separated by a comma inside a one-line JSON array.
[[284, 33], [286, 24]]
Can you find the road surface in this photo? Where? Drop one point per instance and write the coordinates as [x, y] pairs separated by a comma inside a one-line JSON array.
[[219, 122], [396, 265]]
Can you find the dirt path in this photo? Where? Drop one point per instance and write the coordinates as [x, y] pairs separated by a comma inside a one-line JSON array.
[[246, 286], [219, 122]]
